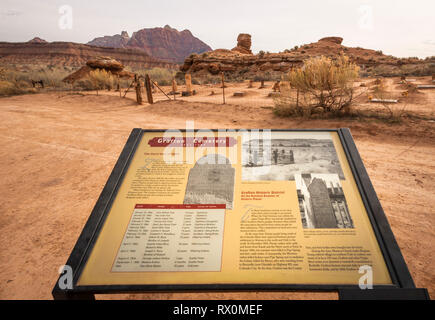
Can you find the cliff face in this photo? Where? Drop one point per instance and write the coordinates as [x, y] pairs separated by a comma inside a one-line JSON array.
[[116, 41], [73, 54], [239, 64], [162, 43]]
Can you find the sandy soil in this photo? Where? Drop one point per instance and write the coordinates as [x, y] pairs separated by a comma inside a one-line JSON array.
[[57, 151]]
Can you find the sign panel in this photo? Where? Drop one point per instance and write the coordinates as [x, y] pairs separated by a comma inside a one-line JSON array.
[[236, 208]]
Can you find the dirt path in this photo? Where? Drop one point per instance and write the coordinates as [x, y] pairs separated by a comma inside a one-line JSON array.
[[57, 152]]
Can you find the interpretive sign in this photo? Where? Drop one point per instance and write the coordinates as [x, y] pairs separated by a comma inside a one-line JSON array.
[[236, 210]]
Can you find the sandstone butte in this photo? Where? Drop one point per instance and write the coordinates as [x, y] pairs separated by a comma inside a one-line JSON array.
[[240, 62], [162, 43]]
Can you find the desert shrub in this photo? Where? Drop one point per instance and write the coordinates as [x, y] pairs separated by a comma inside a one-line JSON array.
[[161, 76], [8, 88], [179, 76], [84, 84], [52, 77], [322, 85], [101, 79], [261, 54]]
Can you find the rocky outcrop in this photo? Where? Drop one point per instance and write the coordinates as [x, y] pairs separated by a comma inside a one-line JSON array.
[[37, 40], [107, 63], [237, 64], [243, 44], [162, 43], [73, 55], [116, 41], [102, 63], [337, 40]]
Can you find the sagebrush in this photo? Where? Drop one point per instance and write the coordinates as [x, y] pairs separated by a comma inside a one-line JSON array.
[[322, 84]]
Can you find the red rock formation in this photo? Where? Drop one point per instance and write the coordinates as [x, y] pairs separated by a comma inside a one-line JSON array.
[[107, 63], [243, 44], [115, 41], [167, 43], [337, 40], [162, 43], [37, 40], [236, 64], [73, 54]]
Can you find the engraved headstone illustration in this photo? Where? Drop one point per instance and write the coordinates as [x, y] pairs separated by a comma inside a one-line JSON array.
[[322, 203], [211, 181]]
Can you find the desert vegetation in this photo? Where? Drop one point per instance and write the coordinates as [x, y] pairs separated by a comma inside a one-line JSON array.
[[162, 76], [14, 81], [322, 85]]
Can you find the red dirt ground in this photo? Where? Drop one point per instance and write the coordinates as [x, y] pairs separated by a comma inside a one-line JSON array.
[[58, 150]]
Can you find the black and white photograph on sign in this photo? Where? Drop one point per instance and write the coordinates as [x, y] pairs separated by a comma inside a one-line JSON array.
[[211, 181], [281, 159], [322, 203]]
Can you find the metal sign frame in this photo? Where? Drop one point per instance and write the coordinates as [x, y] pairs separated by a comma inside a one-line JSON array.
[[403, 286]]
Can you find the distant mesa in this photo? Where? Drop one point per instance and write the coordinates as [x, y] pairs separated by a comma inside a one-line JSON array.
[[37, 52], [164, 43], [37, 40]]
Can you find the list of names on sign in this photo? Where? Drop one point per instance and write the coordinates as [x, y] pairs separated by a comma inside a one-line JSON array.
[[174, 237]]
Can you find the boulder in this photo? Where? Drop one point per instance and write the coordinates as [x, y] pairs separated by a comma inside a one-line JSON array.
[[107, 63]]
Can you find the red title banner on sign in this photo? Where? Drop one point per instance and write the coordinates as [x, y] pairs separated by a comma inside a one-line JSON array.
[[192, 142]]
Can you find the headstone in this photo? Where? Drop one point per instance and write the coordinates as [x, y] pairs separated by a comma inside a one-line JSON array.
[[262, 85], [274, 94], [276, 87], [211, 181], [239, 94]]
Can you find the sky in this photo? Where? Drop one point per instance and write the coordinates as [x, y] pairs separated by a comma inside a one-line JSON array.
[[397, 27]]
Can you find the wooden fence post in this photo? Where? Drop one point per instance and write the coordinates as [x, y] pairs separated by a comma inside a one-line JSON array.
[[297, 98], [188, 79], [118, 87], [223, 87], [148, 89], [138, 91]]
